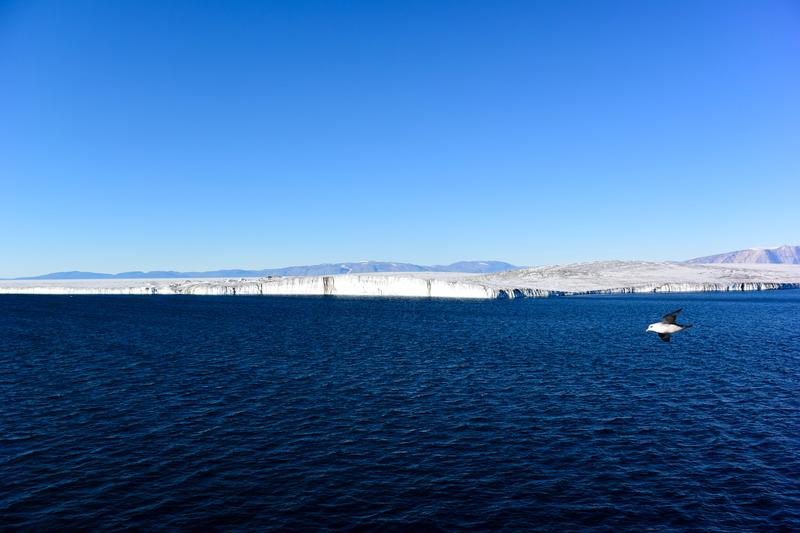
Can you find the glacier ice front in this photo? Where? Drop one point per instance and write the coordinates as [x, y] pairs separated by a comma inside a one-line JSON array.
[[562, 280]]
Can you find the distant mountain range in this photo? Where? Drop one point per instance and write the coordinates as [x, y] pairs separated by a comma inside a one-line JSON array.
[[782, 255], [472, 267]]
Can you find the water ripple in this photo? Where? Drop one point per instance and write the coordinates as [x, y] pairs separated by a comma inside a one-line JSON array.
[[332, 413]]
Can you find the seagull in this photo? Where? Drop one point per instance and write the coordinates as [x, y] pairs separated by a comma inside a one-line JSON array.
[[668, 326]]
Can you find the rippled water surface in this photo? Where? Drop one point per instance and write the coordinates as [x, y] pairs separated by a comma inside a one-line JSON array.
[[308, 413]]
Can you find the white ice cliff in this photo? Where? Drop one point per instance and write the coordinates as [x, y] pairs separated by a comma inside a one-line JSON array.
[[563, 280]]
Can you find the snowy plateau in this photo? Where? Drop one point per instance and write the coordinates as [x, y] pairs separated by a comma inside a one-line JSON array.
[[603, 277]]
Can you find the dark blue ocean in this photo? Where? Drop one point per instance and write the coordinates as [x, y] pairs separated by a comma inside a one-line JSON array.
[[252, 413]]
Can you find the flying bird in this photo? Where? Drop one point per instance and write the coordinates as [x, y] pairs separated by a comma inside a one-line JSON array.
[[668, 326]]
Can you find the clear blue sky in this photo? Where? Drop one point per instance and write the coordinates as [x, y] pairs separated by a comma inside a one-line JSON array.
[[197, 135]]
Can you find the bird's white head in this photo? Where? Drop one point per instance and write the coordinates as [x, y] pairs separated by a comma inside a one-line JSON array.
[[650, 327]]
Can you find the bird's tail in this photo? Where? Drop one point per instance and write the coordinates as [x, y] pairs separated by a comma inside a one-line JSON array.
[[686, 325]]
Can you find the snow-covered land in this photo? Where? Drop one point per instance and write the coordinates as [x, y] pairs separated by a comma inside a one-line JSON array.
[[608, 277], [581, 278]]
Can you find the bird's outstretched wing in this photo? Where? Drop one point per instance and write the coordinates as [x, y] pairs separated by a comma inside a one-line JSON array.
[[664, 337], [670, 318]]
